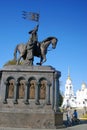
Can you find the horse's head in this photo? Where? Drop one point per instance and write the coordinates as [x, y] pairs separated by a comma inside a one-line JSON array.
[[54, 42]]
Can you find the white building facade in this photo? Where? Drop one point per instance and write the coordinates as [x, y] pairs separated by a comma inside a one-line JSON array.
[[69, 99], [81, 96]]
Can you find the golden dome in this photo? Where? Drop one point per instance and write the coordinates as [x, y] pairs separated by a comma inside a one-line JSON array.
[[83, 86]]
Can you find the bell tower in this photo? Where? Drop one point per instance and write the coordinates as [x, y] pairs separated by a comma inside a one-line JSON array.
[[68, 87], [69, 98]]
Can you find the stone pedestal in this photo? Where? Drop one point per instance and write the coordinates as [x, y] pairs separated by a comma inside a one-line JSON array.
[[29, 97]]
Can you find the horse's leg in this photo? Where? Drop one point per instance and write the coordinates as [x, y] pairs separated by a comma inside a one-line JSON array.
[[18, 60], [15, 53], [43, 59]]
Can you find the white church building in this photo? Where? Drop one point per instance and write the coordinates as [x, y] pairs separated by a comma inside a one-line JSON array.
[[74, 100], [81, 96]]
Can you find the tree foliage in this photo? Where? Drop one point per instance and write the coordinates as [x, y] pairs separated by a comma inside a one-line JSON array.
[[60, 99], [10, 62]]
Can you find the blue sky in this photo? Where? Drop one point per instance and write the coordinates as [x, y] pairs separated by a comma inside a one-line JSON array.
[[64, 19]]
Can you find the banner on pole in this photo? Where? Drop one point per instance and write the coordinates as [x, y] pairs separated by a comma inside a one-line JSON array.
[[31, 16]]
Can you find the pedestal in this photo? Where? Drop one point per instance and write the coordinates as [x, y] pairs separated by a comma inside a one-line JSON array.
[[29, 97]]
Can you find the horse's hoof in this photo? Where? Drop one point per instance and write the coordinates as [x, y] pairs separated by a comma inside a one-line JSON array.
[[38, 63]]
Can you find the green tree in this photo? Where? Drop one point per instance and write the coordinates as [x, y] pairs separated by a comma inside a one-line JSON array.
[[10, 62], [60, 99]]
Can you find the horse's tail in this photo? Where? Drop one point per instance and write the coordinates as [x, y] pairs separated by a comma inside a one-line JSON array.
[[15, 53]]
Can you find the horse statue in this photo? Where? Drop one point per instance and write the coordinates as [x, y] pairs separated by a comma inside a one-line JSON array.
[[39, 49]]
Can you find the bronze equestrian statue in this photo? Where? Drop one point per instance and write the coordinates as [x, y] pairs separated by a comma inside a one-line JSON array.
[[34, 48]]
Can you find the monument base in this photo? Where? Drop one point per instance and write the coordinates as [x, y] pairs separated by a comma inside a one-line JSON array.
[[31, 120], [29, 97]]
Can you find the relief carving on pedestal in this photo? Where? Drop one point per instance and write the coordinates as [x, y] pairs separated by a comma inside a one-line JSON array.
[[32, 89], [43, 89], [21, 88], [11, 88]]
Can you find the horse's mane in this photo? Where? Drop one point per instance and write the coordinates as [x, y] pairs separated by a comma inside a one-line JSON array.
[[49, 38]]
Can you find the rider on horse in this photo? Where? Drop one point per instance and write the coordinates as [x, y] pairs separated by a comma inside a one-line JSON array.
[[30, 45], [34, 36], [34, 48]]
